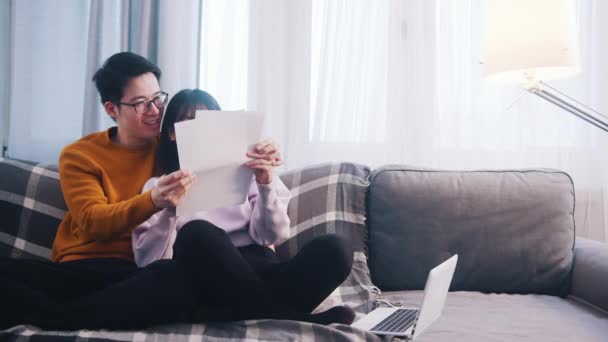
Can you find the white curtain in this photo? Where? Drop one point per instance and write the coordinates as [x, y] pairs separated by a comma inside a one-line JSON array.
[[399, 82], [256, 55], [55, 49], [224, 51]]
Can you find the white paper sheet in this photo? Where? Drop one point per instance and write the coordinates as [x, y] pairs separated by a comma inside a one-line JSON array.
[[213, 146]]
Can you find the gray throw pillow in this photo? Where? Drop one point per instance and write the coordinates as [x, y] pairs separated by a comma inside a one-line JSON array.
[[513, 230]]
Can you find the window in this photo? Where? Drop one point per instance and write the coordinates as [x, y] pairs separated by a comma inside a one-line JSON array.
[[224, 51]]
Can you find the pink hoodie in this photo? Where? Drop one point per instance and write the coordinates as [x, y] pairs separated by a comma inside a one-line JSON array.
[[261, 219]]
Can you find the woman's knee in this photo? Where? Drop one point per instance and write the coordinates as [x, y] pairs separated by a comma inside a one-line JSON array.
[[196, 235], [200, 230], [336, 250]]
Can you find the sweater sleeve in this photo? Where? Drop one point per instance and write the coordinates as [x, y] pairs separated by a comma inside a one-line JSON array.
[[152, 239], [269, 221], [95, 217]]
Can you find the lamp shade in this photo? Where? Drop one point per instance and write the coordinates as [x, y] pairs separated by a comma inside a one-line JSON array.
[[526, 39]]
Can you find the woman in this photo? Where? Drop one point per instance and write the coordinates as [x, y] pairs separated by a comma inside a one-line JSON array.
[[231, 247]]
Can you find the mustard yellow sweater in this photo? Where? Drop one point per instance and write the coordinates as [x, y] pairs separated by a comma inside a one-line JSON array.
[[101, 183]]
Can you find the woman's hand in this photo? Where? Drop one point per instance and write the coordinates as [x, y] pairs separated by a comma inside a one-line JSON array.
[[172, 188], [265, 156]]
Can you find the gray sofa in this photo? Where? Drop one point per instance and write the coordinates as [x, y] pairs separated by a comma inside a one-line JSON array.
[[518, 276], [522, 275]]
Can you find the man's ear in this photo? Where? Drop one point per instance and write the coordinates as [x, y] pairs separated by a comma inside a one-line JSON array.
[[111, 109]]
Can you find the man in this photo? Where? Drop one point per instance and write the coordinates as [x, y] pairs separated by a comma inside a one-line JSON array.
[[93, 282], [102, 174]]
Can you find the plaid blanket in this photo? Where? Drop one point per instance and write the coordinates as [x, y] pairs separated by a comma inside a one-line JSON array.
[[256, 330], [326, 199], [31, 207]]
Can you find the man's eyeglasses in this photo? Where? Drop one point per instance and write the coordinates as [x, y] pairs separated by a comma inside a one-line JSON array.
[[142, 107]]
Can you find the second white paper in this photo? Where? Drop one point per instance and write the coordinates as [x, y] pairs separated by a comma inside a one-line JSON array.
[[213, 146]]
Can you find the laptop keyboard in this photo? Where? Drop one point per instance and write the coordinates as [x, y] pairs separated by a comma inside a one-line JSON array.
[[398, 322]]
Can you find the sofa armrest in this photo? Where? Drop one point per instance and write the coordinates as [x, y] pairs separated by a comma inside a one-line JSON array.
[[590, 273]]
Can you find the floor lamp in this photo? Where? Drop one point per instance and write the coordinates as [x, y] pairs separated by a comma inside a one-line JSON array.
[[532, 41]]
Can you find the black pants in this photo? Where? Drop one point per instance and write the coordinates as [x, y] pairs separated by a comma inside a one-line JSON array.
[[250, 282], [207, 276], [93, 294]]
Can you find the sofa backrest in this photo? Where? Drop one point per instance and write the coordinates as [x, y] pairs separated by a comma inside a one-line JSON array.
[[31, 207], [513, 230]]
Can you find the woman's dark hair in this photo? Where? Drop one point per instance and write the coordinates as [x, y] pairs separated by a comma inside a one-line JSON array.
[[112, 78], [181, 107]]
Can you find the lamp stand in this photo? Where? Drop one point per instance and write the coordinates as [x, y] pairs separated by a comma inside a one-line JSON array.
[[569, 104]]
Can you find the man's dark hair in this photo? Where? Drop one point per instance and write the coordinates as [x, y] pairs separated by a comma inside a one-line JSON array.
[[116, 72]]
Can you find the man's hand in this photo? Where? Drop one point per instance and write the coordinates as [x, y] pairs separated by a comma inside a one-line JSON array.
[[172, 188], [265, 156]]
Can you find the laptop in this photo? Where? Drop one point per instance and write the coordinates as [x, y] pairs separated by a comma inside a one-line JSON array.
[[411, 322]]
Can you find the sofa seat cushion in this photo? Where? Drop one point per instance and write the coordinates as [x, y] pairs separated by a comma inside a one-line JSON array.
[[479, 317], [513, 230]]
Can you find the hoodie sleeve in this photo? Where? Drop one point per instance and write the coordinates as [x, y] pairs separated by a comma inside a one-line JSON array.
[[153, 239], [269, 221]]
